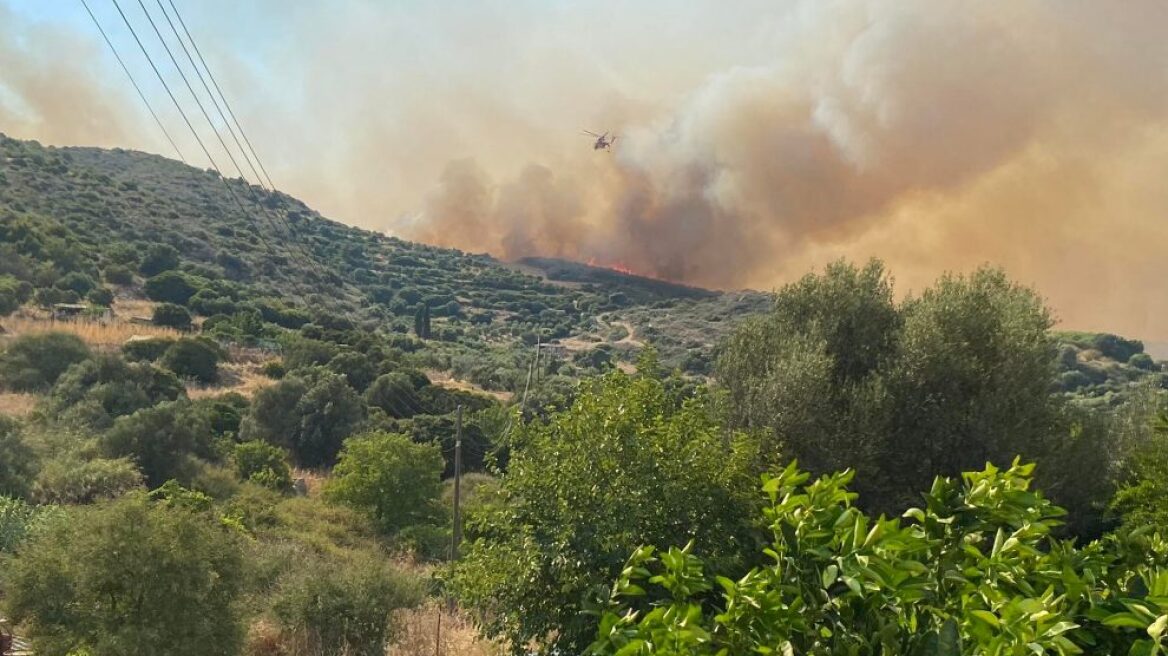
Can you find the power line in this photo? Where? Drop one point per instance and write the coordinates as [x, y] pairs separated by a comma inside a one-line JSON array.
[[130, 75], [250, 153], [273, 217], [190, 88], [186, 120], [215, 84], [203, 81], [273, 220]]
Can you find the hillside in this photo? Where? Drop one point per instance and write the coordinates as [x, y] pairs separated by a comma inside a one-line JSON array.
[[241, 245]]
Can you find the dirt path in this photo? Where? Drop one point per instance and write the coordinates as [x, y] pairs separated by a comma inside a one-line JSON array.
[[631, 337]]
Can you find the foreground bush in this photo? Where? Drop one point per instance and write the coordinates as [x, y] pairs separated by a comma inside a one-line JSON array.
[[129, 577], [630, 463], [974, 571], [345, 609]]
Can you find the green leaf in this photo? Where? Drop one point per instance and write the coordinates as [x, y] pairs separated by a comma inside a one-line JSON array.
[[1156, 629], [987, 617]]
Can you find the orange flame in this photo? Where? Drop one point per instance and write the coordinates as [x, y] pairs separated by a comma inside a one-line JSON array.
[[619, 267]]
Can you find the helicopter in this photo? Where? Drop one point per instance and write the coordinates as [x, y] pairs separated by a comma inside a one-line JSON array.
[[603, 141]]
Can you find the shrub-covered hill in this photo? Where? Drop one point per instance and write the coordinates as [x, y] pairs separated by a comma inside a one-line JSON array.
[[72, 218]]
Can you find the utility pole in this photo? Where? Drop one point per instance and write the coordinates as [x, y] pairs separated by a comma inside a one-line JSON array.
[[456, 534], [457, 486]]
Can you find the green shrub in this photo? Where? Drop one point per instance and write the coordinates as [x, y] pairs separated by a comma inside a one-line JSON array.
[[192, 358], [106, 387], [389, 477], [35, 362], [1116, 347], [531, 563], [158, 258], [162, 440], [357, 369], [47, 297], [102, 296], [1142, 361], [147, 349], [172, 316], [129, 577], [71, 478], [346, 608], [396, 395], [207, 303], [171, 287], [311, 418], [20, 520], [264, 464], [75, 282], [274, 369], [17, 460], [116, 274], [13, 294]]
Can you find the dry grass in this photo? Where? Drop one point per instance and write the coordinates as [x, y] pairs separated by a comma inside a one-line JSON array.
[[239, 377], [447, 380], [416, 634], [15, 404], [104, 334]]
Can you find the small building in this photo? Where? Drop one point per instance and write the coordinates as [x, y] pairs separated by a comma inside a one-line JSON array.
[[66, 311]]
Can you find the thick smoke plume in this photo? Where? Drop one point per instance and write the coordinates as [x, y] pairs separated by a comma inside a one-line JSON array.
[[755, 142]]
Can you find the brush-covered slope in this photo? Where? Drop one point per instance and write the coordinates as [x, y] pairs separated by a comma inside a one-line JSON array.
[[71, 217]]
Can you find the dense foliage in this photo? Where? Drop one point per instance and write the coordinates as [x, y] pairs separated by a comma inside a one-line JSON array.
[[975, 570], [129, 578], [389, 477], [629, 463]]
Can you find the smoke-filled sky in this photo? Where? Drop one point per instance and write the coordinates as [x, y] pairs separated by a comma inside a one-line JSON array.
[[758, 139]]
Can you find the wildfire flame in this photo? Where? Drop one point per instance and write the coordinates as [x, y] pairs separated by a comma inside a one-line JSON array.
[[619, 267]]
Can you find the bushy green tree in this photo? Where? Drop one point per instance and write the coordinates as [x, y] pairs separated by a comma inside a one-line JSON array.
[[396, 394], [628, 464], [158, 258], [262, 463], [171, 316], [117, 274], [974, 571], [129, 577], [101, 296], [106, 387], [13, 294], [840, 376], [35, 362], [1142, 498], [75, 282], [358, 369], [389, 477], [311, 418], [162, 440], [172, 287], [192, 358]]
